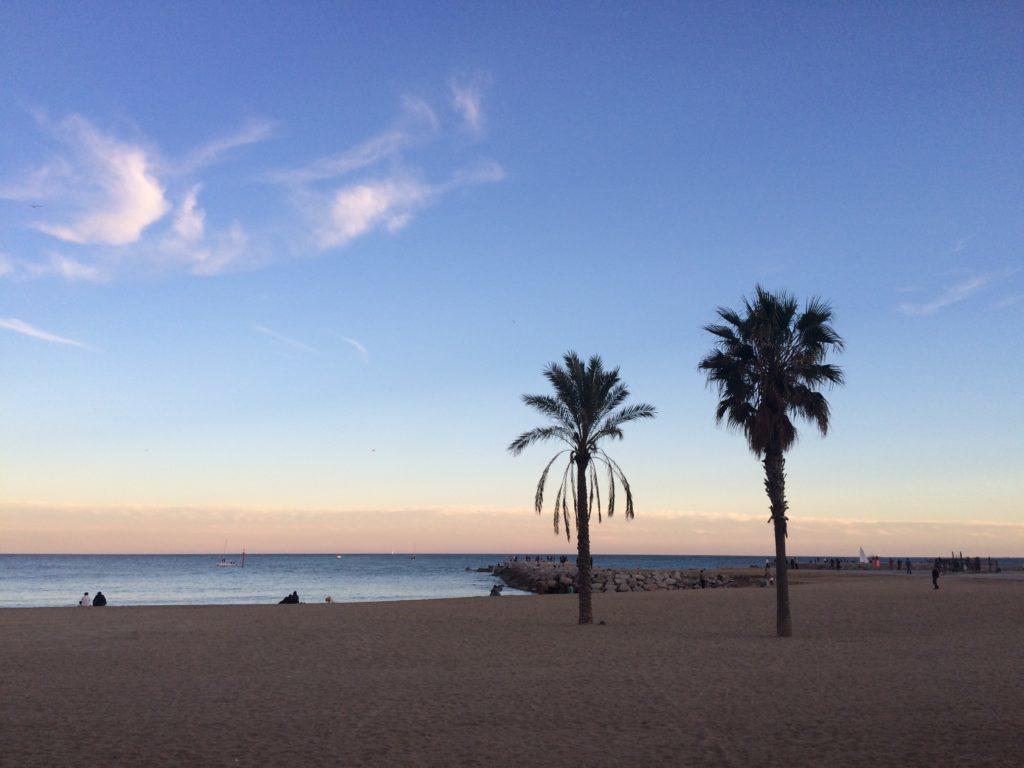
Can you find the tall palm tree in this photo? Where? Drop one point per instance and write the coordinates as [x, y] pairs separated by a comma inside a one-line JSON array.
[[768, 365], [583, 411]]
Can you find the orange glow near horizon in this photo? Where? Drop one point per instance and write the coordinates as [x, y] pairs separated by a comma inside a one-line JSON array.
[[30, 529]]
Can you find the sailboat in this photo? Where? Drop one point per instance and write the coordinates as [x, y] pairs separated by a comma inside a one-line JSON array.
[[863, 557], [225, 563]]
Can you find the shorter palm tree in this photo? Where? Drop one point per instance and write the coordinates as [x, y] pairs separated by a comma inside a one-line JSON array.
[[767, 365], [584, 411]]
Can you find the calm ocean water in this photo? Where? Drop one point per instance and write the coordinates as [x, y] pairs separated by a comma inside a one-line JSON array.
[[56, 580]]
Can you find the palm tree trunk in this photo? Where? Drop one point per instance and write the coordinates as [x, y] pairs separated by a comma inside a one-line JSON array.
[[775, 485], [583, 541]]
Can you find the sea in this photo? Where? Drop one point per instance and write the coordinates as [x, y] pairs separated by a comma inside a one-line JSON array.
[[56, 580], [60, 580]]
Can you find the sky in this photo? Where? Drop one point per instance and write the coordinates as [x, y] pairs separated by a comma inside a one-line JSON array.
[[279, 274]]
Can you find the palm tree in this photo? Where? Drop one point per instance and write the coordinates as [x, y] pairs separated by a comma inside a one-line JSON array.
[[768, 365], [584, 411]]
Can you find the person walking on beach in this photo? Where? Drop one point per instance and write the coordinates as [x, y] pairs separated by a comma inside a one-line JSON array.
[[910, 567], [935, 576], [85, 602]]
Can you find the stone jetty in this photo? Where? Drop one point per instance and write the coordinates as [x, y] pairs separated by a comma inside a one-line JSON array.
[[545, 577]]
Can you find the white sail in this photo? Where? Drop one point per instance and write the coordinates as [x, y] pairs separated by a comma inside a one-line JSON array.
[[863, 557]]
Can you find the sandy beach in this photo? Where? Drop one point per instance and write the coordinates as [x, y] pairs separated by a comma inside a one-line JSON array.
[[883, 671]]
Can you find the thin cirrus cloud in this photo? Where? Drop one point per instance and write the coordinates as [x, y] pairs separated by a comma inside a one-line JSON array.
[[357, 346], [954, 294], [190, 219], [25, 329], [467, 101], [66, 267], [106, 196], [118, 195], [253, 132], [388, 200], [119, 206], [364, 154], [286, 340]]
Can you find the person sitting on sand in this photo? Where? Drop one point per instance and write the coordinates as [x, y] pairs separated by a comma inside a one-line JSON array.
[[292, 599], [495, 591], [85, 602], [99, 601]]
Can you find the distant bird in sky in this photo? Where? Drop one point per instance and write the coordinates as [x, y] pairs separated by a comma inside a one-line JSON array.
[[35, 205]]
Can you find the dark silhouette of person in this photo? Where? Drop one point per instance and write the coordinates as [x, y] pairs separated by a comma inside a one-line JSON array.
[[935, 576], [292, 599], [701, 580], [495, 590], [99, 600]]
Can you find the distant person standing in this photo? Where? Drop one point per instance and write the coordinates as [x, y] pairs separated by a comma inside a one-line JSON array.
[[702, 580], [85, 602], [935, 576], [910, 567]]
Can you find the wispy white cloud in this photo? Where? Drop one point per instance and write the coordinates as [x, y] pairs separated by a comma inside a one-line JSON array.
[[362, 155], [1008, 301], [357, 346], [121, 208], [419, 112], [467, 101], [20, 326], [389, 203], [53, 265], [66, 267], [190, 219], [252, 132], [284, 339], [115, 195], [363, 207], [226, 251], [954, 294], [42, 183]]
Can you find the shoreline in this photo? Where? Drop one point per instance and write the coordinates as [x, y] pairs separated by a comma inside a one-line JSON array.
[[798, 578]]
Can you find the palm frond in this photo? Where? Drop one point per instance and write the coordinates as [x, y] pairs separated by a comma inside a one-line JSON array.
[[538, 498], [536, 435], [765, 362]]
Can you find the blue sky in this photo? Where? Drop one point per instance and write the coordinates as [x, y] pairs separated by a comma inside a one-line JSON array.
[[304, 260]]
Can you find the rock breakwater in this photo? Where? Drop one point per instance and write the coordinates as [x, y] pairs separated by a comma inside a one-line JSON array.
[[546, 577]]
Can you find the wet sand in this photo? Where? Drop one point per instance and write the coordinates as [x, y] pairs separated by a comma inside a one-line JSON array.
[[883, 671]]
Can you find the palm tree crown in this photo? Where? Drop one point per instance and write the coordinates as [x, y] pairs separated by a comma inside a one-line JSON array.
[[584, 410], [768, 365]]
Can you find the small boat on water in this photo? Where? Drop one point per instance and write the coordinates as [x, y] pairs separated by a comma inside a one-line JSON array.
[[225, 563]]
